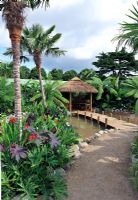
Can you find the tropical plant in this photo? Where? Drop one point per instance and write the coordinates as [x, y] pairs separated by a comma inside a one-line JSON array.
[[53, 95], [35, 159], [6, 69], [13, 15], [87, 74], [6, 96], [134, 175], [130, 86], [36, 41], [98, 84], [129, 31]]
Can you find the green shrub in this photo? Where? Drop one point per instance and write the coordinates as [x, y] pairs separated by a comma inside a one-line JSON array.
[[134, 175], [134, 148]]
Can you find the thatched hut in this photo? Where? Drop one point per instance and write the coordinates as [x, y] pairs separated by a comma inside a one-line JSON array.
[[76, 85]]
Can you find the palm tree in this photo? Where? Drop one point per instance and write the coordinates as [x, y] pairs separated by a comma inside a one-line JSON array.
[[130, 87], [37, 42], [129, 31], [13, 15], [23, 58]]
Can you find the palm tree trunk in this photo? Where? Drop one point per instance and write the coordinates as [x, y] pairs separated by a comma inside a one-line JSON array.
[[42, 87], [37, 60], [15, 35]]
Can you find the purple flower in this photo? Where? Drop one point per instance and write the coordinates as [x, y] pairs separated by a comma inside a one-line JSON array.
[[17, 152], [2, 147], [54, 141]]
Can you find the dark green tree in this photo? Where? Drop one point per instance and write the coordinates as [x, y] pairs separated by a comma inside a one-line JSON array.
[[24, 72], [68, 75], [57, 74], [34, 73], [118, 63], [87, 74], [6, 70]]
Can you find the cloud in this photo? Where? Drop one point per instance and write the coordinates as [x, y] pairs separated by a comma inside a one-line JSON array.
[[87, 28]]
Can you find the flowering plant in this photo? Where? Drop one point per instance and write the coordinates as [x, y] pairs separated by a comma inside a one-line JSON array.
[[29, 163]]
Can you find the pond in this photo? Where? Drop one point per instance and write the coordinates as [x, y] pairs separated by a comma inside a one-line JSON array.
[[85, 128]]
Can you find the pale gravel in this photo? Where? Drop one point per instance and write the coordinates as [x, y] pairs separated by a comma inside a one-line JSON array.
[[102, 172]]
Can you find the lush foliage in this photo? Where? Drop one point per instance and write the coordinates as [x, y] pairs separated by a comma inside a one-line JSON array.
[[134, 167], [30, 164]]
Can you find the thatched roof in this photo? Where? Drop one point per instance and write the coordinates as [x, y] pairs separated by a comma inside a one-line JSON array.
[[76, 85]]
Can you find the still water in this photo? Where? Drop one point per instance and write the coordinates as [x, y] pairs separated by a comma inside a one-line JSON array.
[[85, 128]]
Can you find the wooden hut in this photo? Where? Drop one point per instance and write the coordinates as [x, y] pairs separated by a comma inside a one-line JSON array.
[[76, 85]]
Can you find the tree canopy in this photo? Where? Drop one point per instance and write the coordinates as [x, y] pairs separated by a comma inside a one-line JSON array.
[[119, 63]]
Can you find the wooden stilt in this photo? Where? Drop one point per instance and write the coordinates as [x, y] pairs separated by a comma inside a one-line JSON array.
[[85, 114], [103, 113], [91, 102], [78, 114], [106, 122], [98, 119], [70, 102]]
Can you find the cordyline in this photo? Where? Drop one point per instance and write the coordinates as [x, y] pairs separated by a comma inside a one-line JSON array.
[[13, 15]]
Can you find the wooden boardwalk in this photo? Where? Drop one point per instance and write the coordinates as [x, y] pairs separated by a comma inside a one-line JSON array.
[[108, 121]]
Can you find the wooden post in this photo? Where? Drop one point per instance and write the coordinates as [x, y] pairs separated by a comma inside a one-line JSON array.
[[78, 114], [70, 102], [102, 112], [98, 119], [94, 110], [106, 122], [111, 114], [91, 116], [120, 117], [91, 102], [85, 114], [128, 119]]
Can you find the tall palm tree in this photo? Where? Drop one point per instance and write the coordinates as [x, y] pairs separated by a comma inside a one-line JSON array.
[[129, 31], [36, 41], [13, 15]]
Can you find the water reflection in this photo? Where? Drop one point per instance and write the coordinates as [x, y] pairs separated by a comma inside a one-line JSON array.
[[84, 127]]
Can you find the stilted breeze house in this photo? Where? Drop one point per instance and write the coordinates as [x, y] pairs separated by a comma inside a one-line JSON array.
[[78, 86]]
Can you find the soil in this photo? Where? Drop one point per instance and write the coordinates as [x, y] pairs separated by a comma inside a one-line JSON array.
[[102, 171]]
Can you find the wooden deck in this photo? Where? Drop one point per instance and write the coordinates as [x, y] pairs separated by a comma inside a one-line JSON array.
[[108, 121]]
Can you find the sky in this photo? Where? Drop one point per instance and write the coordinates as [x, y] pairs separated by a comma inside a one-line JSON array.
[[87, 28]]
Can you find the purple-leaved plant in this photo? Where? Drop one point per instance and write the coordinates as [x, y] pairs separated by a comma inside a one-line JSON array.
[[2, 147], [17, 151], [54, 141]]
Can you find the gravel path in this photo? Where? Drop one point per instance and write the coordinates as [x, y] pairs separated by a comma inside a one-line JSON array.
[[102, 171]]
